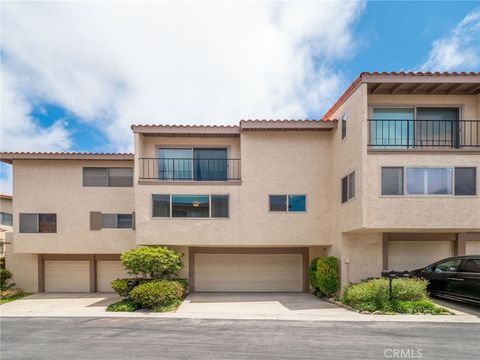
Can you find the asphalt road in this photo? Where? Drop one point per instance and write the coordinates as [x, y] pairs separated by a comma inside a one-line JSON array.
[[134, 338]]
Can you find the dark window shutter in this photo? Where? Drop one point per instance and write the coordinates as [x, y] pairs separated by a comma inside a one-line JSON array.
[[465, 181], [95, 220], [392, 181]]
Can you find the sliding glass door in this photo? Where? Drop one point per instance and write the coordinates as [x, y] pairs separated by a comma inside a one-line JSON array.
[[392, 127], [437, 127], [175, 164], [210, 164]]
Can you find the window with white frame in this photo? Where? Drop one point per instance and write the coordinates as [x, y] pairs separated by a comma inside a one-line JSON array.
[[348, 187], [287, 203]]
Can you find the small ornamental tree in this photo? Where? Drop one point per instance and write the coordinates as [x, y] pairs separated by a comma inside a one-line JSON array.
[[5, 277], [323, 274], [155, 262]]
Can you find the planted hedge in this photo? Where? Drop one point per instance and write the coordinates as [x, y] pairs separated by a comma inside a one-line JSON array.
[[323, 275], [157, 293]]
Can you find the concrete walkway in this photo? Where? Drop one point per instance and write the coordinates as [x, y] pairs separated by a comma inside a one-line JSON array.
[[228, 306]]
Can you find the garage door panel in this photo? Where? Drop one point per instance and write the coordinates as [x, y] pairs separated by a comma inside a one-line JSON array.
[[67, 276], [249, 272], [472, 247], [107, 271], [410, 255]]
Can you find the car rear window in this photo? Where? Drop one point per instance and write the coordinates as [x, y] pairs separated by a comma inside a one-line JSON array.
[[472, 265]]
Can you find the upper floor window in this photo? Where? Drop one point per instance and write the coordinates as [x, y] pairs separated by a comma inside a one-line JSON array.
[[348, 187], [190, 206], [344, 126], [117, 221], [429, 181], [6, 219], [193, 164], [108, 177], [38, 223], [287, 203]]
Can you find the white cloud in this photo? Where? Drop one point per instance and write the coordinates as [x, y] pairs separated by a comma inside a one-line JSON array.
[[460, 50], [114, 64]]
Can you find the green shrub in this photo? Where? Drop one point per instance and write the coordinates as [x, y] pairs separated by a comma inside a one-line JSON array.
[[157, 293], [121, 286], [5, 277], [123, 305], [156, 262], [323, 274], [409, 296], [184, 283]]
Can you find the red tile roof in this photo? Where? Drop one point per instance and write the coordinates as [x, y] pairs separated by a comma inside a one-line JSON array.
[[355, 83], [6, 196], [7, 156]]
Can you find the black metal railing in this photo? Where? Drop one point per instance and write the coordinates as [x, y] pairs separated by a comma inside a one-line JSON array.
[[415, 134], [181, 169]]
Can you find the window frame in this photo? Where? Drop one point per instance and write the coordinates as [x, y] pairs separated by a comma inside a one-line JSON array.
[[38, 224], [108, 175], [349, 197], [287, 211], [2, 218], [452, 195], [170, 217], [116, 222]]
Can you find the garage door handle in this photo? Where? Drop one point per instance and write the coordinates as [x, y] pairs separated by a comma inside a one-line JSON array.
[[455, 279]]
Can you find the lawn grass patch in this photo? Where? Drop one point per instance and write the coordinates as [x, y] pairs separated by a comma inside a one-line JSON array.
[[123, 306]]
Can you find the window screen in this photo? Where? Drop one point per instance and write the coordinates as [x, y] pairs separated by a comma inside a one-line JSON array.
[[124, 221], [120, 177], [219, 206], [6, 219], [95, 176], [392, 181], [465, 181], [278, 202], [161, 205], [109, 221], [28, 223], [47, 223], [344, 126], [351, 186]]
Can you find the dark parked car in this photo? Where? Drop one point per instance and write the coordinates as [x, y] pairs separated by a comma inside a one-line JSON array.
[[456, 278]]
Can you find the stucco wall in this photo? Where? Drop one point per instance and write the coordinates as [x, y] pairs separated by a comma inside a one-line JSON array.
[[43, 186], [272, 163], [24, 268]]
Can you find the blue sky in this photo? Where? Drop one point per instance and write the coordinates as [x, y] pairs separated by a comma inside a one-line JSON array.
[[76, 75]]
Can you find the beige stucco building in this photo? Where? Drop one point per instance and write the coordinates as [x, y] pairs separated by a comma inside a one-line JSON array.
[[388, 179]]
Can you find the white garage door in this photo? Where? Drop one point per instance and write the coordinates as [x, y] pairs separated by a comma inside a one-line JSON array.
[[410, 255], [249, 272], [108, 271], [67, 276], [472, 247]]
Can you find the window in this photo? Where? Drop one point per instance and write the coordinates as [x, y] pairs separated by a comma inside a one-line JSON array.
[[107, 177], [447, 266], [344, 126], [465, 181], [6, 219], [290, 203], [117, 221], [472, 265], [348, 187], [392, 181], [38, 223], [193, 164], [429, 181], [219, 206], [190, 206]]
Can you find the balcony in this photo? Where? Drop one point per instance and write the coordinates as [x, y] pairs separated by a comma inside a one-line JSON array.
[[424, 134], [189, 169]]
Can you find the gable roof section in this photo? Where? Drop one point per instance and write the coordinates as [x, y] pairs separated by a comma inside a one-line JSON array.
[[412, 83]]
